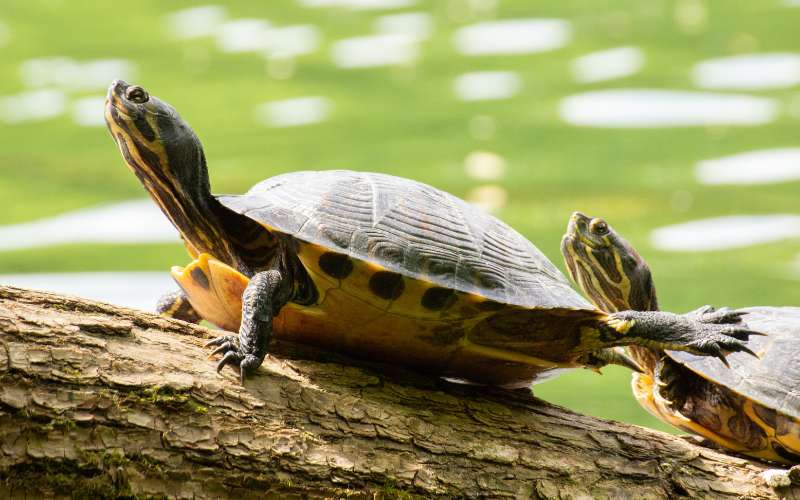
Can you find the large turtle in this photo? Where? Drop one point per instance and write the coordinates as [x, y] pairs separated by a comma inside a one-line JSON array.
[[753, 407], [375, 266]]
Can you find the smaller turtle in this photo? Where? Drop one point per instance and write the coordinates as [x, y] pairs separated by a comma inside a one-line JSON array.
[[752, 408], [375, 266]]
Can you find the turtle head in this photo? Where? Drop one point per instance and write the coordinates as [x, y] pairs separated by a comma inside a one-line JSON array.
[[167, 157], [155, 141], [606, 267]]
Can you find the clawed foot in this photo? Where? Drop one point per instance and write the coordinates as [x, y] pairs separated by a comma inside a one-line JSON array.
[[228, 347], [721, 332], [704, 332]]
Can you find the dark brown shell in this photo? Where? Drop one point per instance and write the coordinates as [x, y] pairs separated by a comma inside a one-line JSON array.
[[409, 228]]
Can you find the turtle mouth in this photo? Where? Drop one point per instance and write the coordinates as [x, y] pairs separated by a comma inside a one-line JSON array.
[[115, 98], [577, 227]]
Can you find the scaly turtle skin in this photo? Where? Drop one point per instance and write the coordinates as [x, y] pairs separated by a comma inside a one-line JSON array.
[[752, 408], [375, 266]]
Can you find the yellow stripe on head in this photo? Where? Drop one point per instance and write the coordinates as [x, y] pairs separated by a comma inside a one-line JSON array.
[[606, 267], [167, 157]]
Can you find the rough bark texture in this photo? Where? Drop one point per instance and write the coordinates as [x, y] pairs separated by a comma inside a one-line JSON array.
[[98, 400]]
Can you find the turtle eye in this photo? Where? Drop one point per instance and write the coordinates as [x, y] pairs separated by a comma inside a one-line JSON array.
[[136, 94], [598, 227]]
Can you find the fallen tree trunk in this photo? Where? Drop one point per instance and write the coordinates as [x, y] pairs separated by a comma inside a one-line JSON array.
[[97, 400]]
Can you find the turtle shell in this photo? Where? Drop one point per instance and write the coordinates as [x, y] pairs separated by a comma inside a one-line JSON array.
[[772, 379], [412, 229]]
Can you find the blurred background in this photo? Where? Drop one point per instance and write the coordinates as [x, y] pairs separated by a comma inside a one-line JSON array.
[[676, 120]]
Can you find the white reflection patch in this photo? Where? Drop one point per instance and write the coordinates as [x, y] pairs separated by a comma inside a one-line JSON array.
[[607, 64], [512, 36], [89, 111], [136, 221], [139, 290], [753, 167], [721, 233], [647, 108], [35, 105], [749, 72], [487, 85], [69, 74], [195, 22], [374, 51], [294, 112]]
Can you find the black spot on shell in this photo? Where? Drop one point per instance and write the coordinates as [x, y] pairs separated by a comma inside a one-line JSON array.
[[768, 415], [200, 277], [786, 454], [746, 431], [489, 305], [784, 424], [707, 417], [336, 265], [437, 298], [387, 285]]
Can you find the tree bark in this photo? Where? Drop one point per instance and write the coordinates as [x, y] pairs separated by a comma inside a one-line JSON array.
[[97, 400]]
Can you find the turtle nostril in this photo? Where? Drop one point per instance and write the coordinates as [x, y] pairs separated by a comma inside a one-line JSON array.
[[136, 94]]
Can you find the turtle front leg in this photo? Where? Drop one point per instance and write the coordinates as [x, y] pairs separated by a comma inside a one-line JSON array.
[[263, 298], [176, 305], [705, 332], [610, 356]]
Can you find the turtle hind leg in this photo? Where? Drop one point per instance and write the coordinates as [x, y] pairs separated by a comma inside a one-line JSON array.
[[265, 295], [176, 305], [705, 333]]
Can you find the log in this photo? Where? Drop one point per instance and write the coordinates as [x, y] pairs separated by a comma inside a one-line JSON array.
[[102, 401]]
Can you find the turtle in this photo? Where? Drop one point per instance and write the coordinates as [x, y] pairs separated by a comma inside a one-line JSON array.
[[749, 405], [375, 266]]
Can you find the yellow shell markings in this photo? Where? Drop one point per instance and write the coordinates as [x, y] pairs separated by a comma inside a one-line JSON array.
[[372, 283], [784, 431], [720, 427], [356, 314], [363, 302], [214, 290]]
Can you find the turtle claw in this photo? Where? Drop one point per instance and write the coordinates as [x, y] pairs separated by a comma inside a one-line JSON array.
[[721, 356], [228, 346], [230, 358], [221, 340], [727, 333], [700, 311], [720, 345], [723, 316], [748, 351]]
